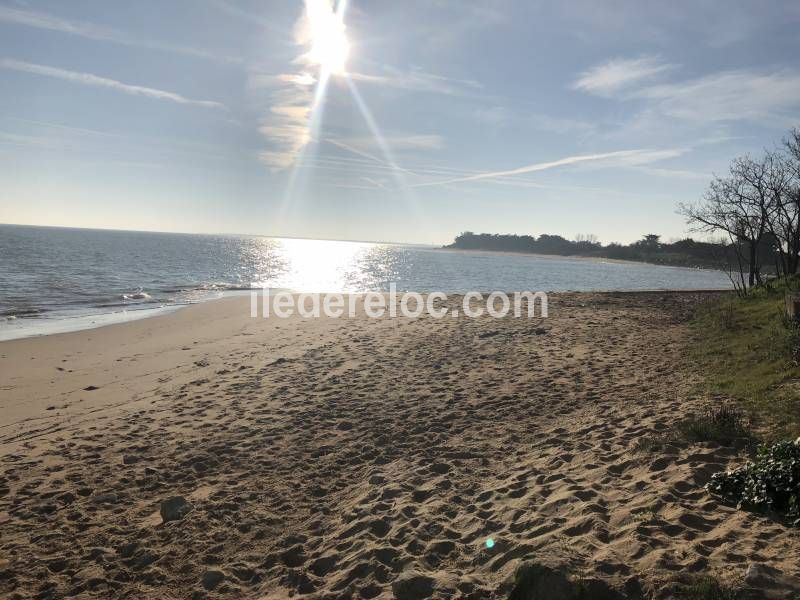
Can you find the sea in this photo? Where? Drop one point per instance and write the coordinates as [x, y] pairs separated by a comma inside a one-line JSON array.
[[54, 280]]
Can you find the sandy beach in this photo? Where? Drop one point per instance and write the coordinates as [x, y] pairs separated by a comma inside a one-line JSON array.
[[362, 458]]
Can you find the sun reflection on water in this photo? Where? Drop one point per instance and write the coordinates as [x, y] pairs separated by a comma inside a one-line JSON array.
[[304, 265]]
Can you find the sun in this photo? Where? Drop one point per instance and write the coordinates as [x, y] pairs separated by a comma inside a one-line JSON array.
[[329, 45]]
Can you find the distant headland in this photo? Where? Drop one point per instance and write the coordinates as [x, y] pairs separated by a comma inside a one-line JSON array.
[[682, 253]]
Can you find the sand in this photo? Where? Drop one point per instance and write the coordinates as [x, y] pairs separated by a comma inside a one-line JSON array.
[[358, 458]]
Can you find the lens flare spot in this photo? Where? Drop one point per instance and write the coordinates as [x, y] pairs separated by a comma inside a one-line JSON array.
[[489, 543]]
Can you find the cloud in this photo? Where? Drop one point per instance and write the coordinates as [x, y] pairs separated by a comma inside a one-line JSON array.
[[617, 158], [618, 74], [40, 20], [287, 123], [419, 81], [739, 95], [394, 141], [94, 80]]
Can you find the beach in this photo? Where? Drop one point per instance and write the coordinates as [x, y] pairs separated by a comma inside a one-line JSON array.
[[367, 458]]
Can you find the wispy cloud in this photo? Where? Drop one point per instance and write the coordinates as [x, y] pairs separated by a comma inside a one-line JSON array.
[[96, 81], [41, 20], [619, 157], [286, 124], [418, 81], [730, 96], [618, 74], [397, 141]]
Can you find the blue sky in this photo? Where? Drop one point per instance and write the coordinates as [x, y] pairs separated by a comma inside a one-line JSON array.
[[513, 116]]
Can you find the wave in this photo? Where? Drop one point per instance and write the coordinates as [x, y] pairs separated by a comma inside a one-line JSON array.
[[138, 295], [14, 313]]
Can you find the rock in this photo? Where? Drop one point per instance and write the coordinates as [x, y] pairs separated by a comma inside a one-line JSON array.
[[129, 459], [90, 388], [413, 586], [212, 579], [175, 508]]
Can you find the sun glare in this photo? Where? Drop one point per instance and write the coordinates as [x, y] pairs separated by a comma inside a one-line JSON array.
[[329, 45]]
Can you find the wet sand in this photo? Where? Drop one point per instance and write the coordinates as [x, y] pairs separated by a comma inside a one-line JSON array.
[[359, 458]]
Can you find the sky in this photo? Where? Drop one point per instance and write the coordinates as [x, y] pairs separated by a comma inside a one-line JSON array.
[[382, 120]]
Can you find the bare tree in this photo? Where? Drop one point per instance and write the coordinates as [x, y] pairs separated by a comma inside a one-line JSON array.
[[740, 207], [785, 187]]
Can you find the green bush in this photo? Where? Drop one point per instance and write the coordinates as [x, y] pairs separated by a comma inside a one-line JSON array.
[[770, 483]]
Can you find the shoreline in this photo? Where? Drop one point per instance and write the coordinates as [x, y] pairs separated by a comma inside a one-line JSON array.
[[32, 328]]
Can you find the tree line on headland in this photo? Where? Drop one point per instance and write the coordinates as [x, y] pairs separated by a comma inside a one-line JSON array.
[[684, 253], [754, 211]]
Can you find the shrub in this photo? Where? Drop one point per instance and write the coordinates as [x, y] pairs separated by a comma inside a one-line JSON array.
[[770, 483], [722, 424]]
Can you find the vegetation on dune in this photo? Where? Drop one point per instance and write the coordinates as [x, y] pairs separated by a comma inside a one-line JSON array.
[[748, 351], [707, 587], [724, 424]]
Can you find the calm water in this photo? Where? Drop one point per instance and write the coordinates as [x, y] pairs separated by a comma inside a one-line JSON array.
[[57, 279]]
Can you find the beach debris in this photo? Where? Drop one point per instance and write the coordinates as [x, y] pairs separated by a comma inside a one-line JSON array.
[[175, 508], [412, 586], [212, 579]]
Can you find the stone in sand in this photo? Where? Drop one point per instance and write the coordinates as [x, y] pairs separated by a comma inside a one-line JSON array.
[[175, 508]]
